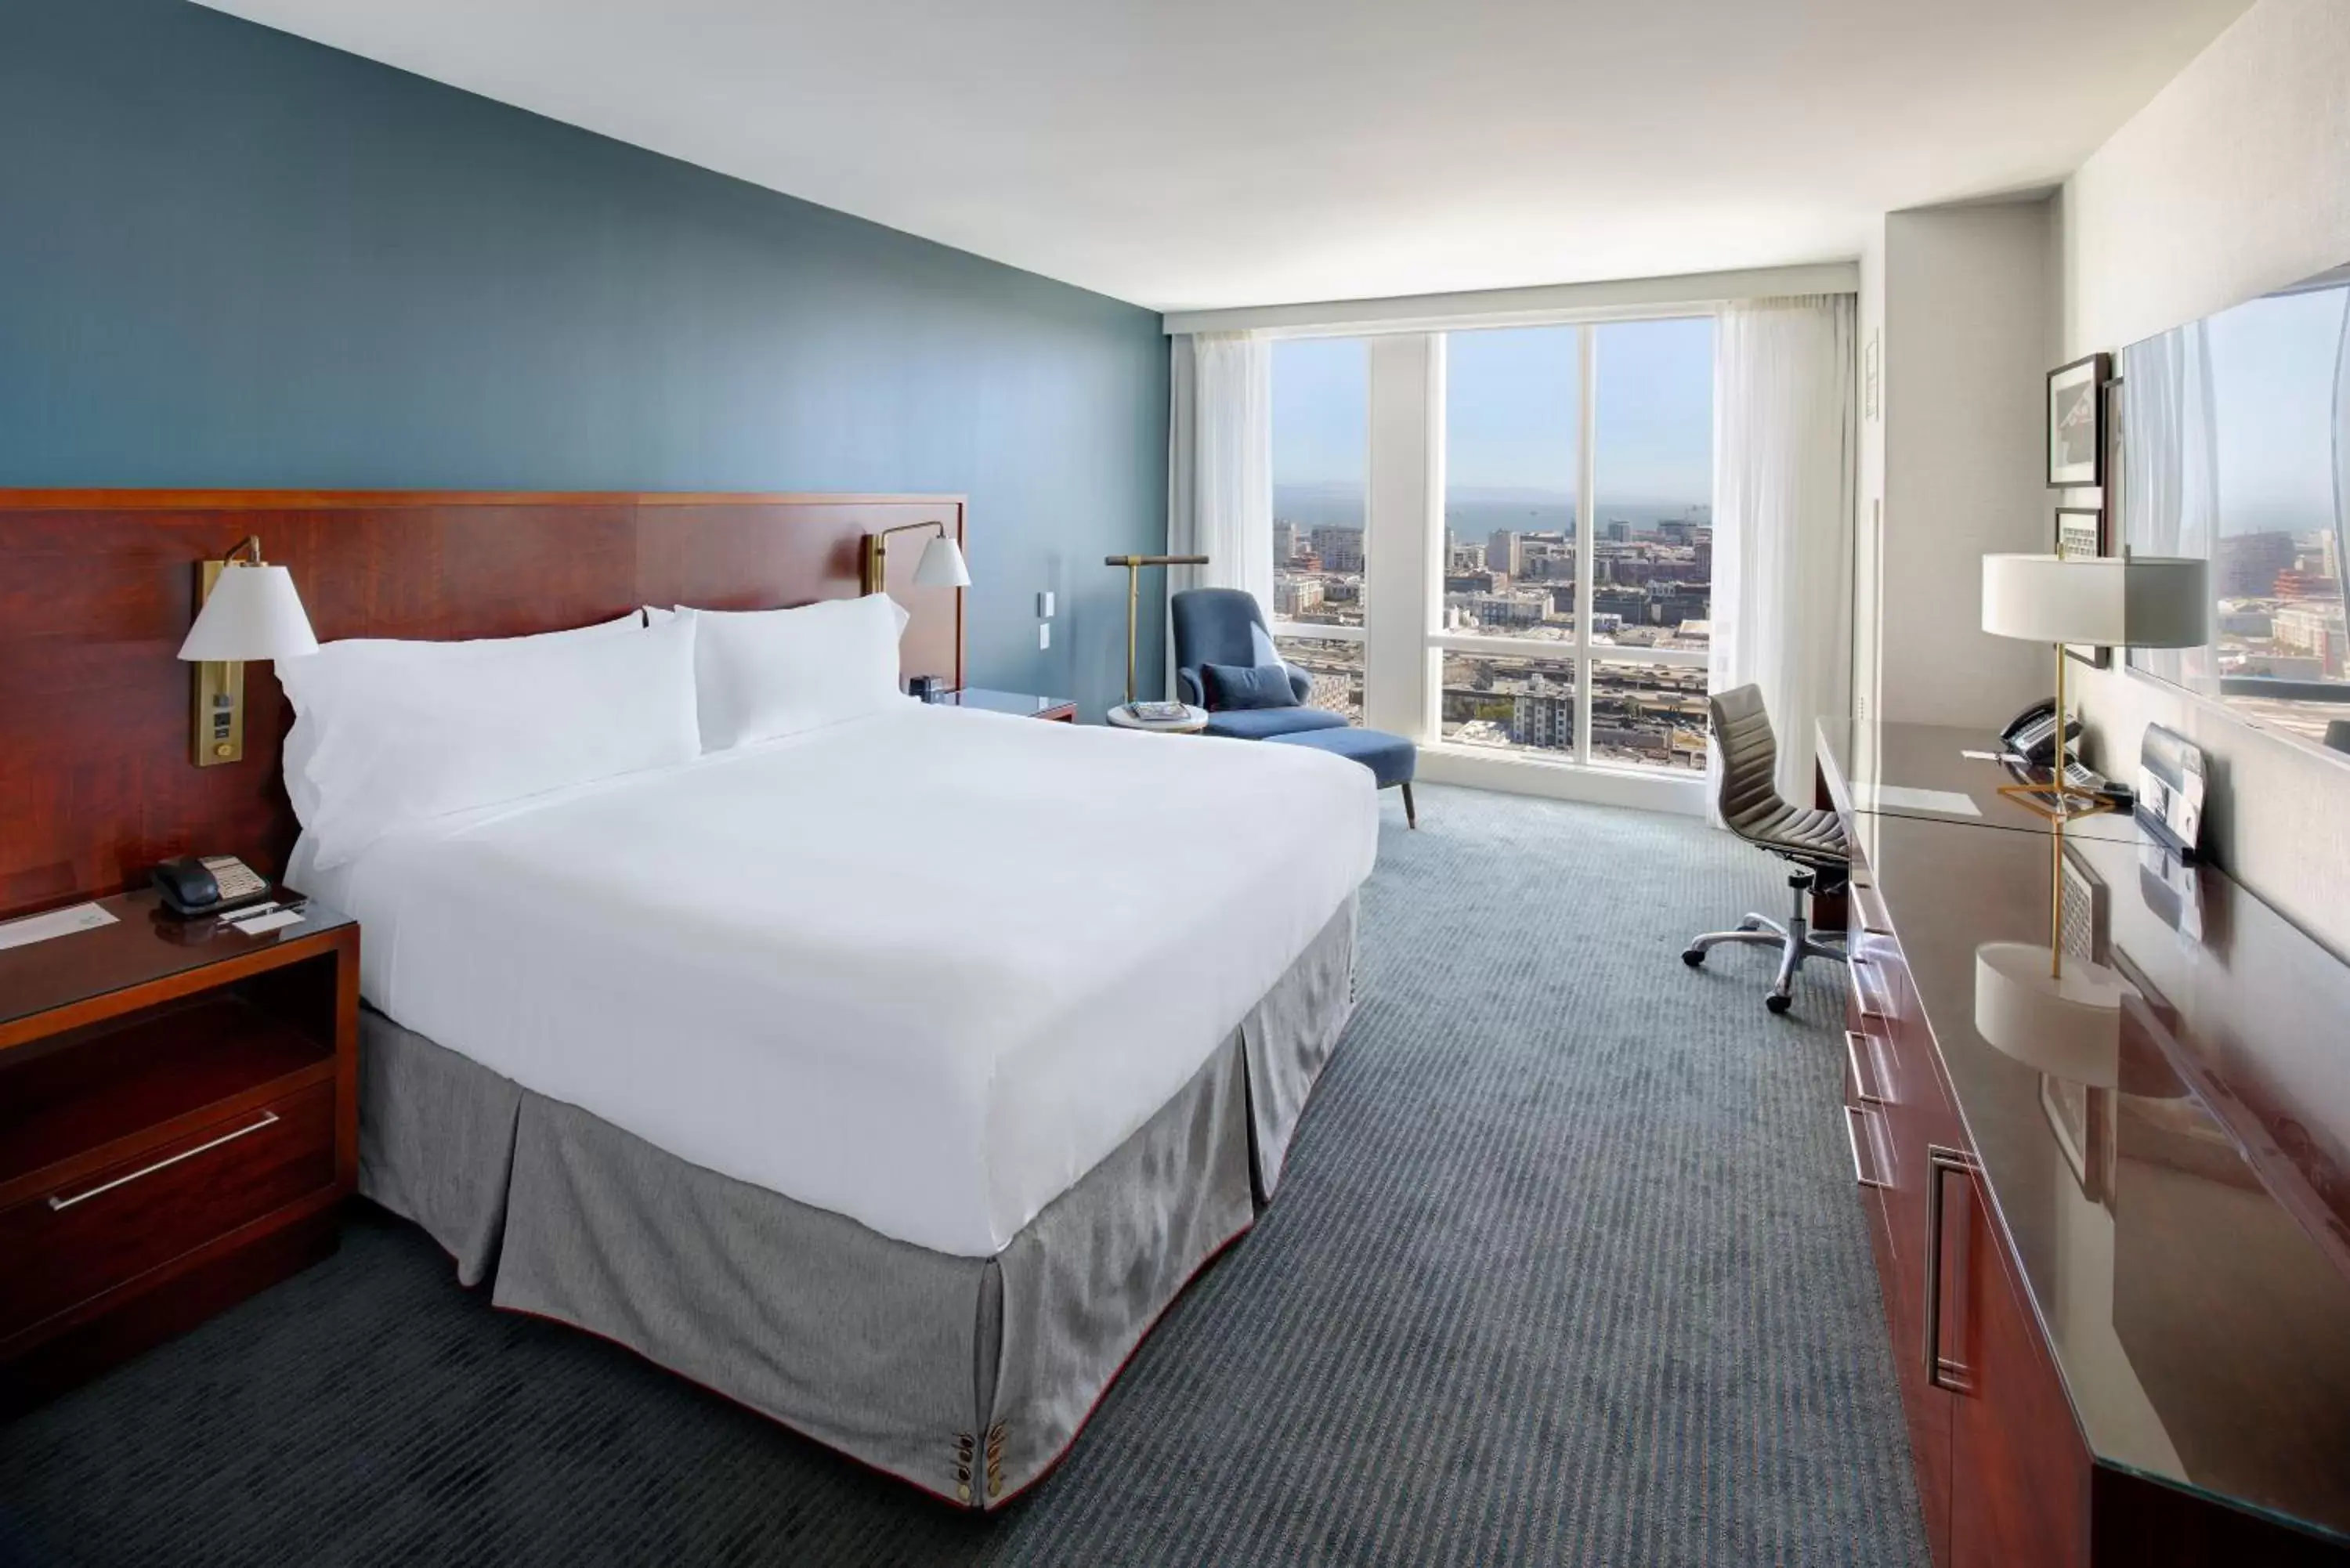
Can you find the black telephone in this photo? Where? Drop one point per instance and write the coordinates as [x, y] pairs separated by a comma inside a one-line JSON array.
[[208, 885], [2030, 740], [2031, 734]]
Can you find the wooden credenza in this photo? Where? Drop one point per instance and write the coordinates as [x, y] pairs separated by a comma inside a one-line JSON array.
[[2119, 1302]]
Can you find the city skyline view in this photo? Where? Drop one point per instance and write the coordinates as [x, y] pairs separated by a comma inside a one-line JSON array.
[[1513, 567]]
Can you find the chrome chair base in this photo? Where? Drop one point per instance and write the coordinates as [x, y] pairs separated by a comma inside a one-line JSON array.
[[1793, 940]]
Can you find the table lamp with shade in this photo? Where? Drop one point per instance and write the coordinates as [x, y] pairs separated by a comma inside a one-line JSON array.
[[2063, 1018], [246, 610]]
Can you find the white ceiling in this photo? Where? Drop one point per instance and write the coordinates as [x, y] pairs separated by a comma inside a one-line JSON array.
[[1195, 153]]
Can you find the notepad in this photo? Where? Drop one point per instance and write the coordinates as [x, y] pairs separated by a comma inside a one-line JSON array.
[[1948, 801], [268, 922], [53, 923]]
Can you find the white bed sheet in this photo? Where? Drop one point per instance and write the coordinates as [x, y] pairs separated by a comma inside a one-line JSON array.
[[923, 970]]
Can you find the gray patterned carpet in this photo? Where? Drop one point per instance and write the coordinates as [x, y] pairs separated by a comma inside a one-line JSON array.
[[1567, 1268]]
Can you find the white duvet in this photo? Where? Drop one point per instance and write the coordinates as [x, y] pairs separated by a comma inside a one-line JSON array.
[[923, 970]]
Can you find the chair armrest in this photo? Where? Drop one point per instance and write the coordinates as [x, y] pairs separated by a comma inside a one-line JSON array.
[[1187, 688], [1301, 683]]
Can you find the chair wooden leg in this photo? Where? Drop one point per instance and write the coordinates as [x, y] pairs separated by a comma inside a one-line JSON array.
[[1410, 814]]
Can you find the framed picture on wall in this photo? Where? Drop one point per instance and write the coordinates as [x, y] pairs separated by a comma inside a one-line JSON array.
[[2076, 423], [2081, 535]]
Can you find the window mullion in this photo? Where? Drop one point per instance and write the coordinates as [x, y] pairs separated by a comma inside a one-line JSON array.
[[1587, 409]]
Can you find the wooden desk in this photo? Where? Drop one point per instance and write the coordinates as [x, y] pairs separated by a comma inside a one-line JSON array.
[[2120, 1311], [1896, 769]]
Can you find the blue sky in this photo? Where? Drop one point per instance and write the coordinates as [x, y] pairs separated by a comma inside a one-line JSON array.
[[1510, 412], [2273, 368]]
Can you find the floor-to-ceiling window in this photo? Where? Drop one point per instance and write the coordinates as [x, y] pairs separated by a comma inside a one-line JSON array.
[[1565, 536], [1557, 638], [1320, 533]]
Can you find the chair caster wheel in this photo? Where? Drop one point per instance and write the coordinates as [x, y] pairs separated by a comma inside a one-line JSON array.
[[1693, 956], [1778, 1004]]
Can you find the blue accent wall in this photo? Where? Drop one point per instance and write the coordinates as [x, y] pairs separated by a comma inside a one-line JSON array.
[[229, 256]]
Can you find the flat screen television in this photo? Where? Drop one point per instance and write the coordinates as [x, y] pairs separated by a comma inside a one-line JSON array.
[[2232, 439]]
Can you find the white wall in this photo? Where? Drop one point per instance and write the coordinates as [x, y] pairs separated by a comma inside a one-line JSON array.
[[2233, 181], [1968, 296]]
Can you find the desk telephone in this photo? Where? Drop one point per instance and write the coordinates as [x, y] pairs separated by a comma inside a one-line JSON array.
[[208, 885], [2030, 740]]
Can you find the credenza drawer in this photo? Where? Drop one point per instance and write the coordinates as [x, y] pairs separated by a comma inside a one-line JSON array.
[[110, 1226]]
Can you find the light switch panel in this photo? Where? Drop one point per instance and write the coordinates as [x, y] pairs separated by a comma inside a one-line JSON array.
[[1044, 634], [1045, 605]]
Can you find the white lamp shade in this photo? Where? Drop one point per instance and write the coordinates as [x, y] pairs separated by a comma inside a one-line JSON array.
[[252, 613], [2070, 1028], [942, 566], [2119, 601]]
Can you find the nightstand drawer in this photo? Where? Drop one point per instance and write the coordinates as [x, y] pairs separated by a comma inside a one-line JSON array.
[[106, 1228]]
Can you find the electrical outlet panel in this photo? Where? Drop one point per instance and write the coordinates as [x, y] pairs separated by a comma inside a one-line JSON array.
[[1044, 635]]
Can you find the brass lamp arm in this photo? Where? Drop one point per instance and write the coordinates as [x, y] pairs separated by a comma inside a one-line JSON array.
[[872, 568]]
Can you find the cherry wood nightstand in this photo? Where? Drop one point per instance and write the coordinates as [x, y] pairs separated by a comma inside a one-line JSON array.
[[178, 1123], [1063, 709]]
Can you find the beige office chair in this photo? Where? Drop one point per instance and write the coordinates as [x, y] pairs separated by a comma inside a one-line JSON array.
[[1814, 840]]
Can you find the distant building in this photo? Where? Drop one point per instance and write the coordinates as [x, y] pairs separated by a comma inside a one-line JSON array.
[[1515, 607], [1293, 598], [1672, 608], [1505, 552], [1544, 715], [2248, 564], [1618, 530], [1285, 540], [2314, 632], [1338, 549], [2295, 584], [1628, 604]]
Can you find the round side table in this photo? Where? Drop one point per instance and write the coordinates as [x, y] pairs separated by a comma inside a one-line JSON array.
[[1193, 721]]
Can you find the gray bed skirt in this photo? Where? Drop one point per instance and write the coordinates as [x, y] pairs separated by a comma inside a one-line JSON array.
[[966, 1377]]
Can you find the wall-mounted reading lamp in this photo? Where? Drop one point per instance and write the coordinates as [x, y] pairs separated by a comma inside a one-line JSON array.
[[942, 566], [246, 609]]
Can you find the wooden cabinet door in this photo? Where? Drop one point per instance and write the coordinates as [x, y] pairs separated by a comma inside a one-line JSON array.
[[2019, 1473]]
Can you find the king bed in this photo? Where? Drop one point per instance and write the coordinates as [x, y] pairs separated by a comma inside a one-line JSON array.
[[886, 1068], [906, 1141]]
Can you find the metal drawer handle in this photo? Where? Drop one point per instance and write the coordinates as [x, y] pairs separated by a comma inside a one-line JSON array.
[[1852, 1056], [268, 1118], [1939, 1162], [1852, 1114]]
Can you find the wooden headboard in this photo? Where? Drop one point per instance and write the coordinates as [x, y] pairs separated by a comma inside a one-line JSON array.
[[98, 587]]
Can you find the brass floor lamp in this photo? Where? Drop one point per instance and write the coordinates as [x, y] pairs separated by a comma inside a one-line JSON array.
[[1134, 565]]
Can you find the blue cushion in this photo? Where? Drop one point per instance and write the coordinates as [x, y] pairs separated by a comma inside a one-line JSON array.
[[1389, 757], [1264, 723], [1248, 686]]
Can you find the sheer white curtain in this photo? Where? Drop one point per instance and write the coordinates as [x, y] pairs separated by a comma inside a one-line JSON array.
[[1220, 463], [1783, 499], [2170, 468]]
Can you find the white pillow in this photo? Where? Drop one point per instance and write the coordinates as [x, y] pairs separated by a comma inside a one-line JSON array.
[[302, 740], [761, 674], [409, 731]]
